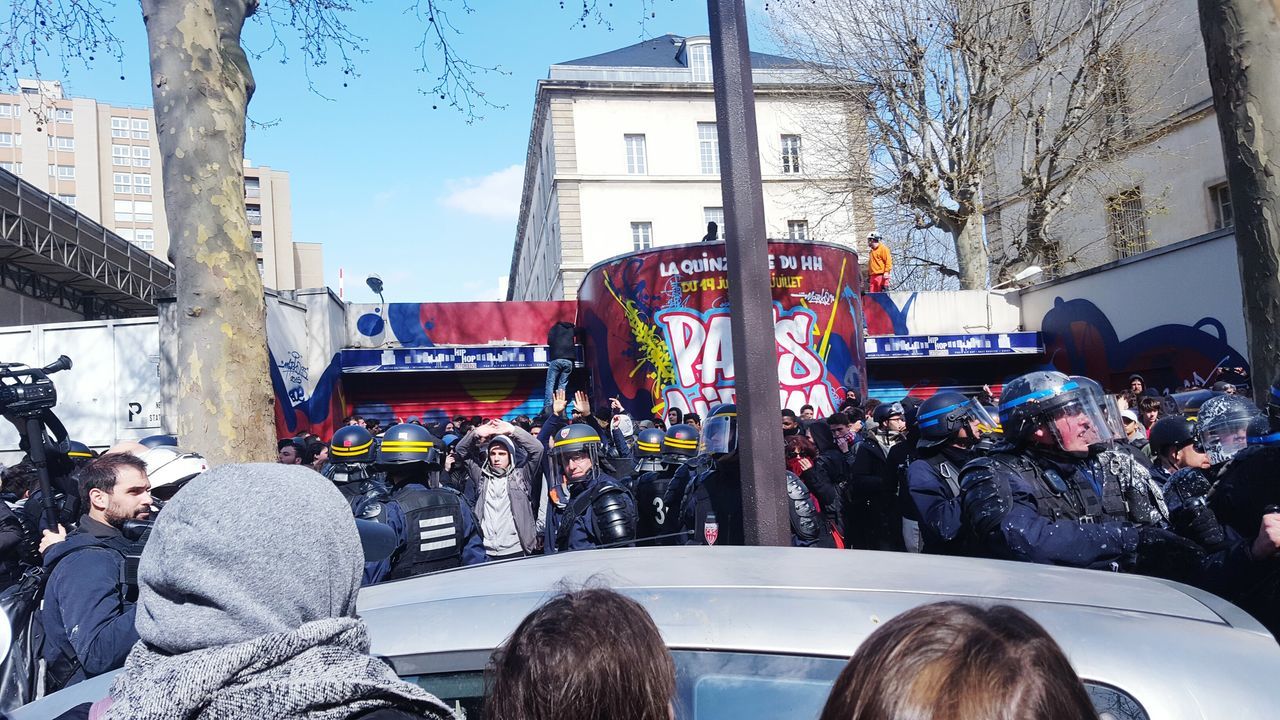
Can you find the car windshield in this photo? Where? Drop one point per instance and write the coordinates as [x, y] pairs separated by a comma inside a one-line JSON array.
[[742, 686]]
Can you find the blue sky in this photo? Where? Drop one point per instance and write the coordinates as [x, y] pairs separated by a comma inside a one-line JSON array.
[[430, 203]]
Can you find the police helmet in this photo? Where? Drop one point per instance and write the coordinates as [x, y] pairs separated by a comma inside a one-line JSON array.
[[1173, 431], [408, 443], [1222, 426], [1273, 403], [719, 431], [649, 443], [1263, 431], [575, 438], [77, 450], [351, 444], [681, 441], [154, 441], [884, 411], [945, 414], [1190, 402], [1038, 399], [169, 468]]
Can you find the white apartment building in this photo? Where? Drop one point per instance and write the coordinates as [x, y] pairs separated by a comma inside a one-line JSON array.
[[1167, 185], [623, 155], [104, 161]]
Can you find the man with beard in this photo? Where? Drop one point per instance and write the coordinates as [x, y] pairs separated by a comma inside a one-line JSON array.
[[88, 611]]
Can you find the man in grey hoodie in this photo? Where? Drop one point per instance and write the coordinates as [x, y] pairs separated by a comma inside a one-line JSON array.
[[241, 618], [505, 468]]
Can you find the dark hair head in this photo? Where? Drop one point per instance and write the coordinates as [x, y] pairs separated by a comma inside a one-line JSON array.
[[788, 412], [1147, 403], [805, 407], [20, 479], [692, 418], [953, 660], [101, 474], [802, 446], [584, 655], [838, 418]]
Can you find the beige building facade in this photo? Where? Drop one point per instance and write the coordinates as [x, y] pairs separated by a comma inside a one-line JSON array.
[[103, 161], [1168, 181], [624, 155]]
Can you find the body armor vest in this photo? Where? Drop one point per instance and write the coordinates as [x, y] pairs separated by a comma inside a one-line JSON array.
[[1067, 498], [650, 505], [608, 510], [433, 531]]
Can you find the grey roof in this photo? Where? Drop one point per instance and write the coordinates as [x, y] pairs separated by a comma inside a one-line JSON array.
[[663, 52]]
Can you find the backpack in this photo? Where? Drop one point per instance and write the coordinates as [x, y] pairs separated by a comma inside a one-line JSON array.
[[24, 676]]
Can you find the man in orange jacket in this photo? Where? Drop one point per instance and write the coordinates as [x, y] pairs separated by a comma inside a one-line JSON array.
[[879, 264]]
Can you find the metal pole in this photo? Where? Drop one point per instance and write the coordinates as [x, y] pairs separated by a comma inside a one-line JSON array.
[[755, 357]]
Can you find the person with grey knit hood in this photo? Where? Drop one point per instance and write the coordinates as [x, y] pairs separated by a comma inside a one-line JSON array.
[[508, 497], [245, 618]]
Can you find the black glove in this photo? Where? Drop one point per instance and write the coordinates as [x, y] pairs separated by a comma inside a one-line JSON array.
[[1167, 554], [1196, 520]]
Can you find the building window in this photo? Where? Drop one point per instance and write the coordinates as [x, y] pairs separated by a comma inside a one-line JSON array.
[[141, 129], [63, 116], [1223, 216], [254, 212], [714, 215], [700, 62], [142, 211], [62, 172], [141, 184], [122, 182], [1115, 97], [790, 154], [68, 200], [141, 156], [62, 143], [1127, 223], [709, 148], [635, 154], [262, 269], [13, 167], [120, 155], [798, 229], [119, 127], [252, 187], [7, 139], [257, 240], [145, 239], [7, 110], [124, 211], [641, 235]]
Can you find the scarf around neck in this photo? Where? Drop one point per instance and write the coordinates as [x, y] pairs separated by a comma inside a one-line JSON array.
[[320, 671]]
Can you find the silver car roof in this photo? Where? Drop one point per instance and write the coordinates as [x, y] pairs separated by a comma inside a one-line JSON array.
[[1181, 652]]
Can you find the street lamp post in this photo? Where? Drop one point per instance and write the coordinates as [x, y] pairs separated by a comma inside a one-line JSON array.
[[755, 357]]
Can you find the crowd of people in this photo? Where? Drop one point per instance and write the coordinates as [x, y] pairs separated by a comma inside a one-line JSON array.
[[1054, 471]]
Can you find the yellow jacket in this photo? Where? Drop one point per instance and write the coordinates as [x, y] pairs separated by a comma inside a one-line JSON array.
[[881, 262]]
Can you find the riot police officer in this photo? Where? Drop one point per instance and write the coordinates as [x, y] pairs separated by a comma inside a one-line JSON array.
[[435, 527], [872, 520], [1039, 499], [711, 501], [949, 426], [1172, 441], [352, 452], [587, 508], [658, 464]]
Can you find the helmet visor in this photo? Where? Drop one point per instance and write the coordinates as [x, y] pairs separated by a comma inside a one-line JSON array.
[[978, 413], [1222, 441], [1113, 430], [719, 435], [1077, 424]]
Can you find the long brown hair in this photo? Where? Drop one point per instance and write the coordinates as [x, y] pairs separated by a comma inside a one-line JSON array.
[[585, 655], [952, 661]]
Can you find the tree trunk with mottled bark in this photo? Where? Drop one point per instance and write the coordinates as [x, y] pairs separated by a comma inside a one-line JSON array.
[[201, 83], [971, 254], [1242, 47]]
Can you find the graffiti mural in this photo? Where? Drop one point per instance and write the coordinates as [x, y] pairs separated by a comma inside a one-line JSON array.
[[458, 323], [657, 325], [1079, 339]]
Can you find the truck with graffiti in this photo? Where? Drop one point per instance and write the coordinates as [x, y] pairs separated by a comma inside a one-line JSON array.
[[657, 327]]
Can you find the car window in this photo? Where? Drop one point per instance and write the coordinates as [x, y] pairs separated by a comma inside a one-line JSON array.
[[741, 686]]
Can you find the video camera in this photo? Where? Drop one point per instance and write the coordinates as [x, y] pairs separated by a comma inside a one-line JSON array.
[[29, 406], [32, 398]]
